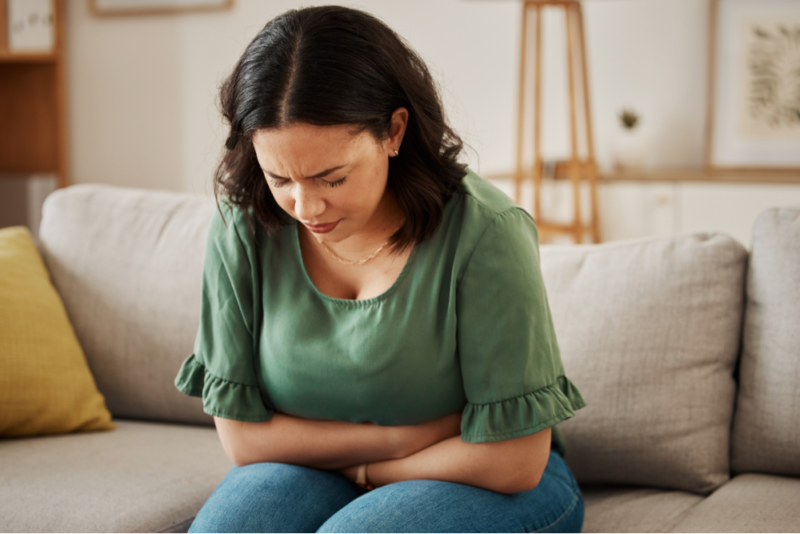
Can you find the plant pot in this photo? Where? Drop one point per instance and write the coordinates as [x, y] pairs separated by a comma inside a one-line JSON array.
[[629, 152]]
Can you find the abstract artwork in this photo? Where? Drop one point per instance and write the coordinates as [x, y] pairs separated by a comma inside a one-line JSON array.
[[771, 78], [754, 85]]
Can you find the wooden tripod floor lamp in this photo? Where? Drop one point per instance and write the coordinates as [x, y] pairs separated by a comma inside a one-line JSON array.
[[576, 168]]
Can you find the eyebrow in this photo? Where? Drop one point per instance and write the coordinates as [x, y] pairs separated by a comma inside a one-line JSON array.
[[318, 175]]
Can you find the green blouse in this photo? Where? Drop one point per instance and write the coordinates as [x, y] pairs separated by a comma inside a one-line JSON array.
[[465, 327]]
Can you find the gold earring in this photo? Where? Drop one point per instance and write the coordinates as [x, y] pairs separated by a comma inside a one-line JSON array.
[[396, 152]]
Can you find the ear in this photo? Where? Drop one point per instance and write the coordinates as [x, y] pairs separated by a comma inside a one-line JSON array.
[[396, 131]]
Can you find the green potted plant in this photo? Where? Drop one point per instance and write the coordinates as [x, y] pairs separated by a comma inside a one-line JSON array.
[[628, 153]]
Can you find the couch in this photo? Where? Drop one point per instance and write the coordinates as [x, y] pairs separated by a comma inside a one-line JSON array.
[[686, 349]]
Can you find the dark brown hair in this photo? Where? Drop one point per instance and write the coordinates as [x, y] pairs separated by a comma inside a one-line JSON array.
[[333, 65]]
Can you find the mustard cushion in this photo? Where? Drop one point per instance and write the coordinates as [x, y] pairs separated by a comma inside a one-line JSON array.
[[46, 386]]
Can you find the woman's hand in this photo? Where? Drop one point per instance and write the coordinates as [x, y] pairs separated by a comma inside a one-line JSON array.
[[350, 472], [410, 439]]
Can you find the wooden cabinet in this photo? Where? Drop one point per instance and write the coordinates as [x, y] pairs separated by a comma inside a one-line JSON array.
[[660, 203], [664, 202], [33, 115]]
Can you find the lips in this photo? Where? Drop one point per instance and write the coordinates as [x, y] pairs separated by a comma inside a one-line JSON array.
[[322, 228]]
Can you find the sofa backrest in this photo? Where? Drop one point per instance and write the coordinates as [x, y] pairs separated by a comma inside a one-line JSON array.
[[766, 429], [649, 329], [649, 332], [128, 264]]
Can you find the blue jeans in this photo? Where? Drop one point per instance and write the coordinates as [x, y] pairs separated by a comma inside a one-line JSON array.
[[276, 497]]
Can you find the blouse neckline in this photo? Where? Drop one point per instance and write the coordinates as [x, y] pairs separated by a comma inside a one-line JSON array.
[[355, 303]]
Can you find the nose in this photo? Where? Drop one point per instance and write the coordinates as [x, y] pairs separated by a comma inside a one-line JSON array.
[[308, 204]]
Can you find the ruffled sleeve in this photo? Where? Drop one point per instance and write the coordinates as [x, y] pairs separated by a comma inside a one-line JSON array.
[[222, 369], [511, 366]]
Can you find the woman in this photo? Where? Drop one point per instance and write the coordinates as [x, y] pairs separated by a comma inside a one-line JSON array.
[[375, 342]]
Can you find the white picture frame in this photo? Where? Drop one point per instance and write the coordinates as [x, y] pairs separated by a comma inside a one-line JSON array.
[[753, 100], [106, 8], [31, 25]]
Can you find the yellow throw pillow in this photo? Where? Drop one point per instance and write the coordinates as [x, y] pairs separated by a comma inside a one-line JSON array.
[[46, 386]]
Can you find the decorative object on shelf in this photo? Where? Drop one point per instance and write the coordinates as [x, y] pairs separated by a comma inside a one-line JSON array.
[[578, 168], [30, 25], [628, 153], [103, 8], [753, 100], [629, 119]]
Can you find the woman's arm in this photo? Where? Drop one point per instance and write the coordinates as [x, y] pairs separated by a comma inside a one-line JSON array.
[[508, 466], [327, 444]]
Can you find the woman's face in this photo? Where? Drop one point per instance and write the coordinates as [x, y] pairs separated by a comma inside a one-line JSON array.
[[330, 180]]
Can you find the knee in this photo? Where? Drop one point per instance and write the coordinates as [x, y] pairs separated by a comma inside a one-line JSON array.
[[347, 523], [268, 474], [265, 497], [365, 514], [396, 507]]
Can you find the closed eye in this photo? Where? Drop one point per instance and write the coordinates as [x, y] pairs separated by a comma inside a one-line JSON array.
[[337, 183]]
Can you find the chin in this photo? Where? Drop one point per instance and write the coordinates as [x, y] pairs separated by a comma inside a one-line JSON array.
[[331, 237], [328, 238]]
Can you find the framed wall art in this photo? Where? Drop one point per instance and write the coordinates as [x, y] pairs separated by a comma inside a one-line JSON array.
[[105, 8], [753, 99]]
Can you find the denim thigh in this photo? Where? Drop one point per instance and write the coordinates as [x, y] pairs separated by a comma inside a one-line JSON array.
[[274, 497], [554, 505]]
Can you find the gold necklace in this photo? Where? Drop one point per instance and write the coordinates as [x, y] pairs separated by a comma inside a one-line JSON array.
[[359, 262]]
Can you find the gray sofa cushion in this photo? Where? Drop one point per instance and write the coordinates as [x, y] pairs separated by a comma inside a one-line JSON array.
[[766, 429], [128, 264], [633, 509], [141, 477], [748, 503], [649, 332]]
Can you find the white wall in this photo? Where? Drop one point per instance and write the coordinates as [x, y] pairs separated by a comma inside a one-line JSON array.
[[125, 87], [142, 90]]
